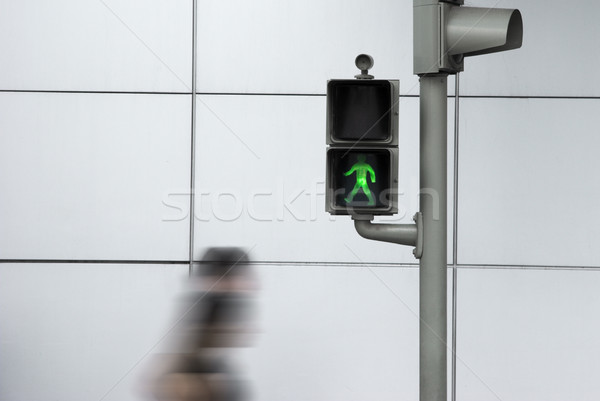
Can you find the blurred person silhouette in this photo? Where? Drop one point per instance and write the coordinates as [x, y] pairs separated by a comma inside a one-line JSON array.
[[216, 319]]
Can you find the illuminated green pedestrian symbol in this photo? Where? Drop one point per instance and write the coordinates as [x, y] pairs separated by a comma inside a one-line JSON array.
[[361, 168]]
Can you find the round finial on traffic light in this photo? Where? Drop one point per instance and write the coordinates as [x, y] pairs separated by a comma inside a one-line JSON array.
[[364, 63]]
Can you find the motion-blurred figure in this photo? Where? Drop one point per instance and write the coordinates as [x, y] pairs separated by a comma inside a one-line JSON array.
[[215, 319]]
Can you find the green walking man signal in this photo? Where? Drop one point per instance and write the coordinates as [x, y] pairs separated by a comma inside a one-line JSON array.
[[361, 168]]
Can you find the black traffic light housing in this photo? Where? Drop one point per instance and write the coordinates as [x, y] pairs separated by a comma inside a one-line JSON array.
[[362, 158]]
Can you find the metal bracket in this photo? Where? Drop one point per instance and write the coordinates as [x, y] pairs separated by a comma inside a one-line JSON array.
[[403, 234], [418, 251]]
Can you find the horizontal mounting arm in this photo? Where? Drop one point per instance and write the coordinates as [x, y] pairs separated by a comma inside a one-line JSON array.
[[403, 234]]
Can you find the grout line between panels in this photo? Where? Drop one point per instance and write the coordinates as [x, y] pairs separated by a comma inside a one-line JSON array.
[[455, 234], [75, 92], [193, 142], [96, 92], [481, 266], [484, 266], [94, 261]]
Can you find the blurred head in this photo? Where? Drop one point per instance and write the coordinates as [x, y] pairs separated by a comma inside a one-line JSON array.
[[224, 261], [225, 269]]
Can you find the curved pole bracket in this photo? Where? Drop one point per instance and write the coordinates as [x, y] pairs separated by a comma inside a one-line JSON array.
[[403, 234]]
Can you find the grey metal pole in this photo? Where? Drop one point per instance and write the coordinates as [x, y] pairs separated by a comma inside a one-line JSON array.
[[433, 204]]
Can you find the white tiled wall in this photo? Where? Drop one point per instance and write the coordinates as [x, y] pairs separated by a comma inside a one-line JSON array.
[[558, 56], [528, 182], [528, 335], [82, 331], [270, 46], [96, 45], [337, 333], [89, 176]]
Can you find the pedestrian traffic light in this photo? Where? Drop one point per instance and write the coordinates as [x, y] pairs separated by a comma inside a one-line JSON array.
[[362, 158]]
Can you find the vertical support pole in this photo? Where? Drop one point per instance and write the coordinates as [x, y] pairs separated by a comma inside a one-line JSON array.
[[433, 205]]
